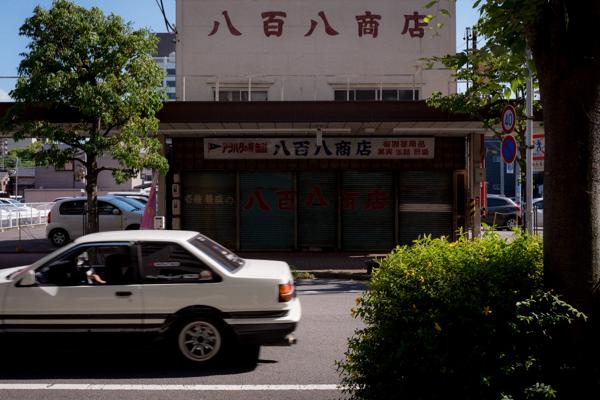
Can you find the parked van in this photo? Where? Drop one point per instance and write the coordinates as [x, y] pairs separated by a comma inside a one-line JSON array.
[[67, 218]]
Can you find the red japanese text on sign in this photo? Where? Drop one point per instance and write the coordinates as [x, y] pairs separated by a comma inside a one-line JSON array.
[[316, 198], [416, 20], [257, 197], [230, 26], [273, 22], [368, 24], [328, 29]]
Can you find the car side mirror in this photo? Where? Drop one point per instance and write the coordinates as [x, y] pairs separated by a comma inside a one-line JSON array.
[[116, 211], [28, 279]]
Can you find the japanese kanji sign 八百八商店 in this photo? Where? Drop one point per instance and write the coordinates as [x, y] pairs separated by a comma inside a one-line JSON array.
[[330, 148], [367, 24]]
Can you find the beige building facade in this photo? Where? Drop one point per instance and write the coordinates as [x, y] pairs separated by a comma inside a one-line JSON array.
[[309, 50], [301, 125]]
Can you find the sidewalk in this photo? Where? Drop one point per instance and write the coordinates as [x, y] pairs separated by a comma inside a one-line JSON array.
[[327, 265]]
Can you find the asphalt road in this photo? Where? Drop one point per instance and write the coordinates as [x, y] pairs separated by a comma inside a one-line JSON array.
[[126, 369]]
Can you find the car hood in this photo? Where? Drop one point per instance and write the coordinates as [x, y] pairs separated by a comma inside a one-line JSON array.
[[269, 269], [4, 273]]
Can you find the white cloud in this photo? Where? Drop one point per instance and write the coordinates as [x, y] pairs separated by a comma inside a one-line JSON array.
[[4, 96]]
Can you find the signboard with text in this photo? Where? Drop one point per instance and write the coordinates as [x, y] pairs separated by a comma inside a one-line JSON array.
[[539, 148], [330, 148]]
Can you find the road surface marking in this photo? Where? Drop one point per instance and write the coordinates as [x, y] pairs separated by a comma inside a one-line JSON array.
[[144, 387]]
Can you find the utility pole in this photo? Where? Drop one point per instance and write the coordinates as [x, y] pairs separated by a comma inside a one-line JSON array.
[[529, 147], [468, 37]]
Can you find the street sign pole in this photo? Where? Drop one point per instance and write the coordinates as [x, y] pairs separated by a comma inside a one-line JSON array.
[[529, 149]]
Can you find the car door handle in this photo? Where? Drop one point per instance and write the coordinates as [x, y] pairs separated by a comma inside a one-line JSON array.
[[123, 294]]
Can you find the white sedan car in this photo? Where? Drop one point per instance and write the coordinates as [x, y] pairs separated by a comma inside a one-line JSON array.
[[179, 284]]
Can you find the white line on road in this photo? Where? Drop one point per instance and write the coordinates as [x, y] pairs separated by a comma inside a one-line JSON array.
[[143, 387]]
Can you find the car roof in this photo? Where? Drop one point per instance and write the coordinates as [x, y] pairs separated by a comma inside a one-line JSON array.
[[101, 197], [135, 235]]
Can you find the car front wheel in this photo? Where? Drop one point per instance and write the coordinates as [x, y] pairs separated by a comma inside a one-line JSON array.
[[199, 340], [59, 237]]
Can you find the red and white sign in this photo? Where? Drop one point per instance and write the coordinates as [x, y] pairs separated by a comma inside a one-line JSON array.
[[539, 149], [330, 148], [508, 119]]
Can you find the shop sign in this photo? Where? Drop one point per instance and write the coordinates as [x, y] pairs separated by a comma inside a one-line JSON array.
[[274, 24], [330, 148]]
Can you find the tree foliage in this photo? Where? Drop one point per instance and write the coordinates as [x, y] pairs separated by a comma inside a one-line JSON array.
[[566, 60], [101, 70]]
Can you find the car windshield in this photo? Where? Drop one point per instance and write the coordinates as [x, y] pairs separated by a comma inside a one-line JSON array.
[[134, 202], [123, 205], [222, 255]]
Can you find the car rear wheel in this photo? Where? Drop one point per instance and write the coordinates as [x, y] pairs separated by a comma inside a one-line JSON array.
[[510, 223], [59, 237], [199, 340]]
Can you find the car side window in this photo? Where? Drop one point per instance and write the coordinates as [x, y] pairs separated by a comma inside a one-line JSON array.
[[492, 202], [170, 263], [112, 264], [74, 207]]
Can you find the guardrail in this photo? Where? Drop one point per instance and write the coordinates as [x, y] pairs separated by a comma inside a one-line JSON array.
[[26, 214]]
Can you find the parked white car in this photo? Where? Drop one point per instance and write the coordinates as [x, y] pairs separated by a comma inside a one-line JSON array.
[[181, 285], [538, 209], [67, 217], [18, 209]]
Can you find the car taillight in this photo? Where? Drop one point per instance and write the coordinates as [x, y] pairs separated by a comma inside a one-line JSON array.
[[49, 216], [286, 292]]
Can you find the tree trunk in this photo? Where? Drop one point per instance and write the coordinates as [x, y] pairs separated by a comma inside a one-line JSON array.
[[91, 188], [568, 64]]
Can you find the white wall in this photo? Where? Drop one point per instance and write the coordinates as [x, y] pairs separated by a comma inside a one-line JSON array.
[[306, 67]]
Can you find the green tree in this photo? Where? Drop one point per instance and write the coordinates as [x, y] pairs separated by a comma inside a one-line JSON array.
[[494, 76], [562, 37], [101, 71]]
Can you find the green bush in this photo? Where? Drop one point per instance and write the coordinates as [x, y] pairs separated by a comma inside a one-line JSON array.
[[457, 320]]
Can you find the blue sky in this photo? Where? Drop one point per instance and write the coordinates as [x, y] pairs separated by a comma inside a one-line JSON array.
[[142, 13]]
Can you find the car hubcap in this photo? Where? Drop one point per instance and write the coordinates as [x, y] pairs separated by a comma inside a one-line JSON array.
[[59, 238], [199, 341]]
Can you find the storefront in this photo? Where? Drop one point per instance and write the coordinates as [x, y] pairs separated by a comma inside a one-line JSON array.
[[314, 188]]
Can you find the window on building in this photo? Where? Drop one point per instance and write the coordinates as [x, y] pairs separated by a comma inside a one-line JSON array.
[[171, 96], [170, 83], [241, 95], [376, 94], [170, 71]]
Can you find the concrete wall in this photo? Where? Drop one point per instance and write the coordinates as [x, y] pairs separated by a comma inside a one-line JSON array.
[[293, 66]]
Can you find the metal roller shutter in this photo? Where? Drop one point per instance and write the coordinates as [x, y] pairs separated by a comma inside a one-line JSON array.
[[267, 211], [425, 205], [209, 205], [317, 209], [367, 210]]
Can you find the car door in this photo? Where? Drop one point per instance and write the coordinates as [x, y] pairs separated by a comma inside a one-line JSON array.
[[110, 216], [174, 279], [81, 289], [71, 216], [539, 213]]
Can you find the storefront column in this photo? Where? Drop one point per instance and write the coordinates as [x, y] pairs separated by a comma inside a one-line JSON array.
[[476, 177]]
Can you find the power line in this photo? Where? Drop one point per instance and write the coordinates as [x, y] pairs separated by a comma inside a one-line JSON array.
[[170, 27]]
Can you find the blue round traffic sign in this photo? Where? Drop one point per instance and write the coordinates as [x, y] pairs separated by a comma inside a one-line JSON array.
[[509, 149]]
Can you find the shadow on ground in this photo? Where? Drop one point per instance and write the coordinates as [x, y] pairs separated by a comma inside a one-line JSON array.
[[328, 286], [91, 356]]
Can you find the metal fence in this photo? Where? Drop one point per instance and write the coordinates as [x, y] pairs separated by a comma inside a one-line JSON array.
[[27, 214]]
